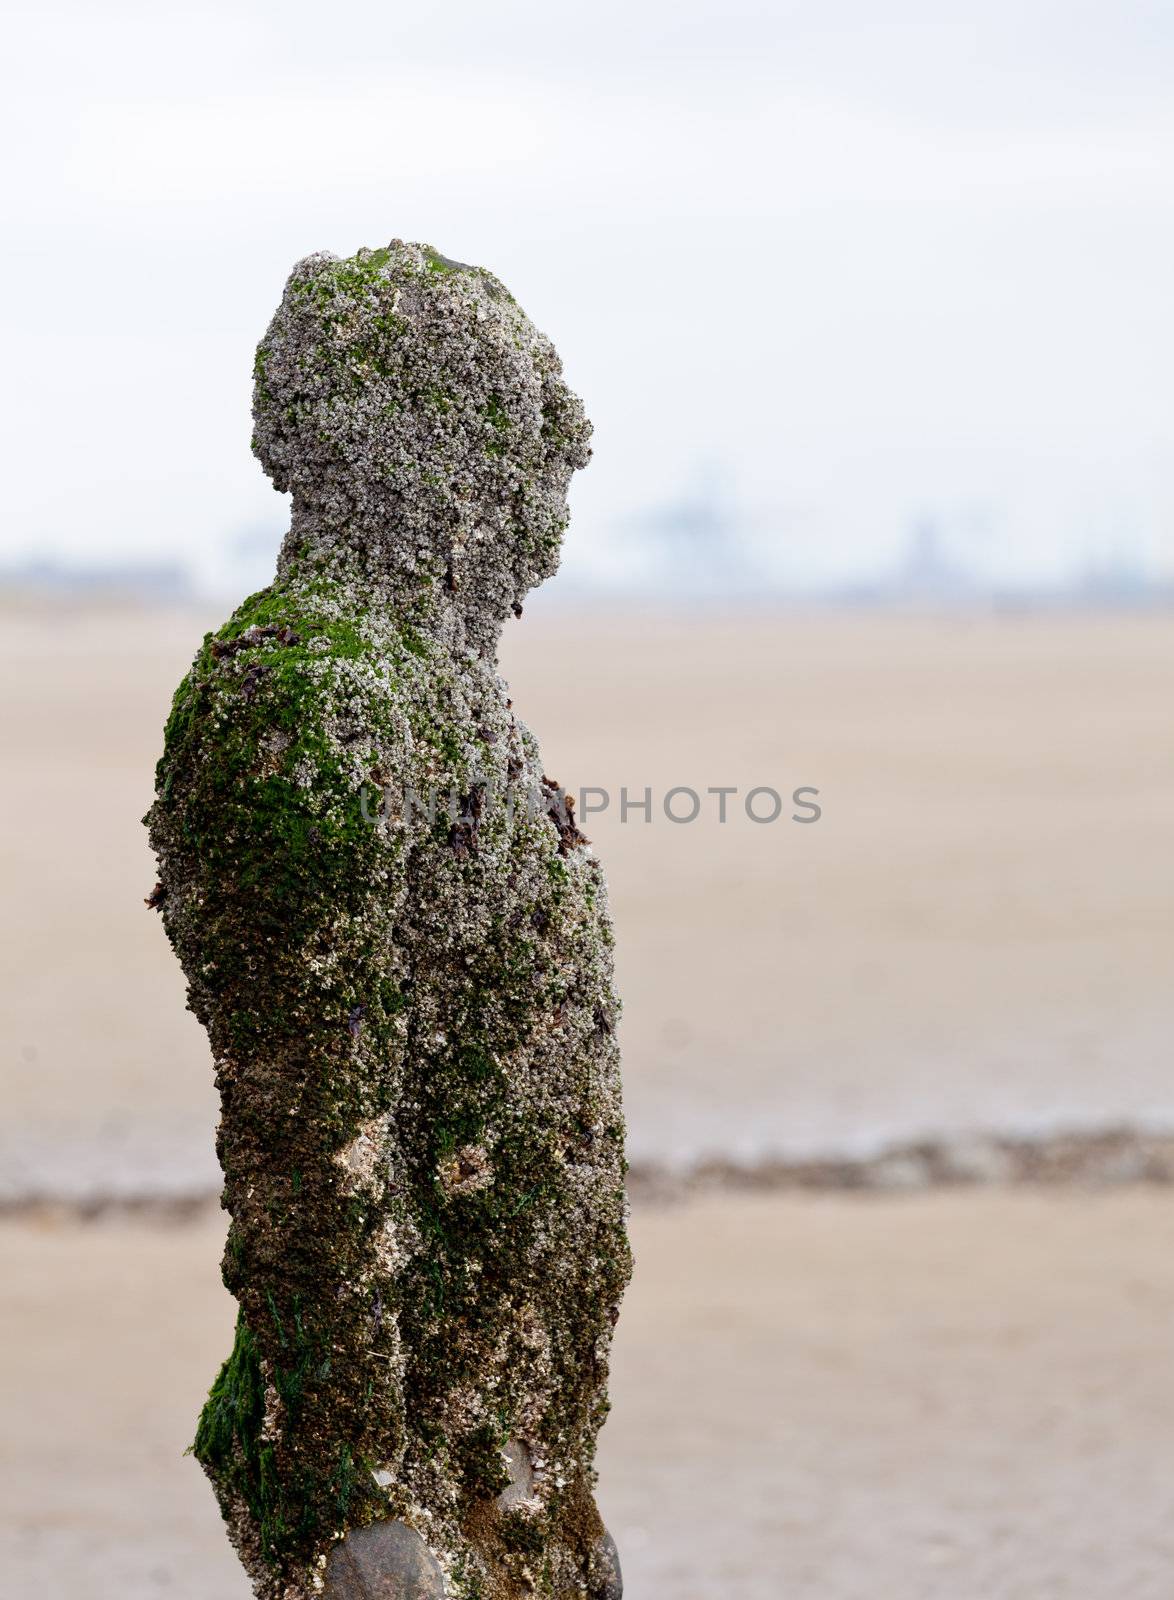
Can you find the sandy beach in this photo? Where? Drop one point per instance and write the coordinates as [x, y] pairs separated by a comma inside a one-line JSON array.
[[942, 1397], [976, 933], [942, 1394]]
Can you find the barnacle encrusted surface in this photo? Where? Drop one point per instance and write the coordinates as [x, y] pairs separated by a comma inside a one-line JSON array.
[[412, 1019]]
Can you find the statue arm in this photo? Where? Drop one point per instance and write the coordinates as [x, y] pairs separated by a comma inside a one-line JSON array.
[[280, 891]]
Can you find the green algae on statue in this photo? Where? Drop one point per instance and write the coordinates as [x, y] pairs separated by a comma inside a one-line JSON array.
[[411, 1013]]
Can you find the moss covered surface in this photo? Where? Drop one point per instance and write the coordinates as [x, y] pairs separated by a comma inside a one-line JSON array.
[[412, 1018]]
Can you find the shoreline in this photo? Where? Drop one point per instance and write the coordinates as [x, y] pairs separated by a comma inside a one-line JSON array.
[[1094, 1158]]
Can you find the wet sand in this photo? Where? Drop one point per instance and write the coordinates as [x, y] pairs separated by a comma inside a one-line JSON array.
[[941, 1397]]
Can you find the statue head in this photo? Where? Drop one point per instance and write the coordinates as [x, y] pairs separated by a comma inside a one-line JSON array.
[[422, 425]]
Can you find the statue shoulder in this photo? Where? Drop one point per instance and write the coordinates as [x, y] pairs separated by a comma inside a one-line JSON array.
[[271, 743]]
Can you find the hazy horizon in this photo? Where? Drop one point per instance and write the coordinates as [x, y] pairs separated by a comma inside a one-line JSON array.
[[861, 268]]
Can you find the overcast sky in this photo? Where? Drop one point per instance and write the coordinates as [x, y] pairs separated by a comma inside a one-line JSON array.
[[864, 260]]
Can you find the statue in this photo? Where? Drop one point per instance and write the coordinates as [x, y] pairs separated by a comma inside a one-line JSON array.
[[399, 944]]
